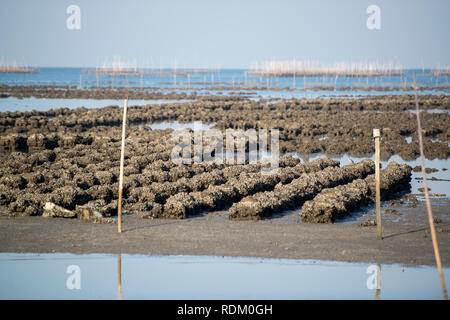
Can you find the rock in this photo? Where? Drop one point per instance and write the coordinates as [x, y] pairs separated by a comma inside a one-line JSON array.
[[396, 203], [368, 223], [427, 170], [86, 212], [392, 211], [53, 210]]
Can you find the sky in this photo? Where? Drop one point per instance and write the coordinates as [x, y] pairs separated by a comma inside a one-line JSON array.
[[224, 34]]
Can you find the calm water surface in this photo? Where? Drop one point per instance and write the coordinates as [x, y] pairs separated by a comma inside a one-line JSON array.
[[58, 276]]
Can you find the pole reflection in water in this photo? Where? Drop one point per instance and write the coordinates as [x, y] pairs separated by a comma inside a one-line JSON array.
[[378, 291], [119, 277]]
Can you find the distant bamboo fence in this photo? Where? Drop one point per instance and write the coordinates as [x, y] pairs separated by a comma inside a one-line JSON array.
[[292, 68]]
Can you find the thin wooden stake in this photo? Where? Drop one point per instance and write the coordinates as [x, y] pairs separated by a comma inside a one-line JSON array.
[[122, 157], [376, 135], [427, 197]]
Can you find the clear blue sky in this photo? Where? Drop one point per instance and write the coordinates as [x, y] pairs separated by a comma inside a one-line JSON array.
[[225, 34]]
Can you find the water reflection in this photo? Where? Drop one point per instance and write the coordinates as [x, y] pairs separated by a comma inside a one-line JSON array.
[[378, 290], [34, 276], [119, 277]]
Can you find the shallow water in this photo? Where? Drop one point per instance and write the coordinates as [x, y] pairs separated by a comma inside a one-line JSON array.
[[43, 104], [327, 94], [430, 111], [50, 276], [233, 80]]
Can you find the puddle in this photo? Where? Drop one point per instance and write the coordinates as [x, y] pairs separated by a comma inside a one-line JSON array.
[[440, 141], [38, 104], [107, 276], [330, 94], [430, 111]]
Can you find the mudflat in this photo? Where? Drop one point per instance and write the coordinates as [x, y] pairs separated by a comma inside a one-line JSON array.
[[405, 242]]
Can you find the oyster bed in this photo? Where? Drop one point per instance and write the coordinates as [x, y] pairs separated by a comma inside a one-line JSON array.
[[70, 157]]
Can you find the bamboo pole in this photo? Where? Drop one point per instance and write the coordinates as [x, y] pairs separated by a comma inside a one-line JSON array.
[[376, 135], [122, 157], [427, 197]]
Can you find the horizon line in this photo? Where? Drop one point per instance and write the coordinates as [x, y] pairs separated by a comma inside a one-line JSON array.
[[192, 68]]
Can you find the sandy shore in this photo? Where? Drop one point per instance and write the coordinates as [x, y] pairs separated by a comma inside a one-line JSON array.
[[408, 242]]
